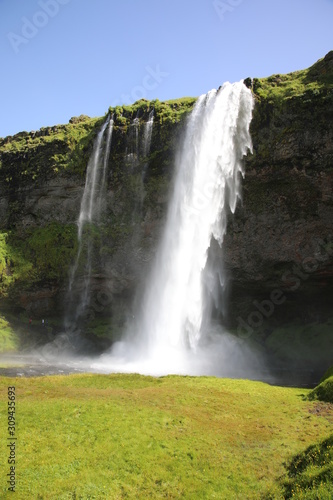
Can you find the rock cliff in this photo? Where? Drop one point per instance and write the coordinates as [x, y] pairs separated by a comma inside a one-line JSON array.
[[278, 245]]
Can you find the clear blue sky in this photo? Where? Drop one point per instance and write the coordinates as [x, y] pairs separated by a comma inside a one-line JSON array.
[[63, 58]]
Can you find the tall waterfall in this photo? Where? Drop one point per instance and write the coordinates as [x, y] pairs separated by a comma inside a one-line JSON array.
[[173, 320], [207, 184], [91, 208]]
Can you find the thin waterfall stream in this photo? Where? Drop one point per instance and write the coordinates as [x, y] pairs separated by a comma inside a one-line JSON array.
[[147, 135], [90, 213]]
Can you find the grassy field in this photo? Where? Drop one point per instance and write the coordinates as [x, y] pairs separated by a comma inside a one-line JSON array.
[[130, 436]]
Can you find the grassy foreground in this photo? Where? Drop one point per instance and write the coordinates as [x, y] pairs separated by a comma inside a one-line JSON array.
[[129, 436]]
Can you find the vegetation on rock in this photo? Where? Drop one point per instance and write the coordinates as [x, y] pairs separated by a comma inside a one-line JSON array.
[[38, 254], [8, 337], [327, 374], [36, 156], [305, 83], [323, 391]]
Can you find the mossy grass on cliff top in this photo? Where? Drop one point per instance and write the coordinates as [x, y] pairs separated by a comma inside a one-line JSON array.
[[69, 133], [29, 156], [309, 81], [164, 111], [129, 436], [172, 111]]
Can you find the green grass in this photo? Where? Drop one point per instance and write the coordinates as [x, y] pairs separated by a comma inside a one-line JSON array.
[[129, 436], [308, 82], [327, 374], [165, 111], [324, 391], [310, 473], [9, 340], [68, 135]]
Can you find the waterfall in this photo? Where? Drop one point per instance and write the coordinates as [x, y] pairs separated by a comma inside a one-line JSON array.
[[91, 209], [148, 129], [95, 178], [132, 152], [207, 184], [101, 194], [167, 335]]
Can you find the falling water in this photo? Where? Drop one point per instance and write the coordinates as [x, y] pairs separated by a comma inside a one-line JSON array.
[[172, 320], [101, 194], [95, 178], [207, 182], [148, 129], [91, 207], [132, 153]]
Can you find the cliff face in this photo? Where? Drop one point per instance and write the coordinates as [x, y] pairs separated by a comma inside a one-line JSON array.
[[279, 239], [281, 236]]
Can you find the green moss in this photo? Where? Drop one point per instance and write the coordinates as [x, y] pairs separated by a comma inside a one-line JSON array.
[[327, 374], [14, 263], [307, 343], [173, 111], [8, 339], [323, 391], [52, 248], [28, 157], [99, 328], [307, 83], [166, 113], [105, 328], [42, 253], [156, 191], [310, 473]]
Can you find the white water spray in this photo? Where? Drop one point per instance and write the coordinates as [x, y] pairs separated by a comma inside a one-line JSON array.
[[92, 205], [207, 184]]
